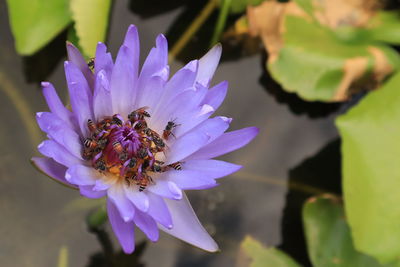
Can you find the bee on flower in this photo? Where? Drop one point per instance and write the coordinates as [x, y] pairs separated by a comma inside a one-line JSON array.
[[114, 141]]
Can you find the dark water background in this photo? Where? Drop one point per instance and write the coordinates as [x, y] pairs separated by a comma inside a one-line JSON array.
[[295, 155]]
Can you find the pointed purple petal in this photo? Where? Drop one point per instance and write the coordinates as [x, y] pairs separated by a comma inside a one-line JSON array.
[[52, 169], [159, 210], [149, 93], [57, 130], [52, 149], [139, 199], [56, 106], [211, 168], [186, 225], [212, 127], [77, 59], [117, 195], [122, 83], [102, 98], [190, 180], [82, 175], [124, 231], [208, 64], [147, 225], [156, 61], [132, 42], [89, 192], [226, 143], [80, 95], [186, 145], [216, 95], [166, 189], [103, 60]]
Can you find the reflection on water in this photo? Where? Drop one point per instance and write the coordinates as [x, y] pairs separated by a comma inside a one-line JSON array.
[[40, 216]]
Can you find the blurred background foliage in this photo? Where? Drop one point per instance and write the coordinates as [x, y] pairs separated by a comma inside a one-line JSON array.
[[341, 56]]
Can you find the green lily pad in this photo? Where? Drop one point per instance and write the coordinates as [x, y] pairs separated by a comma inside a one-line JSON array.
[[320, 64], [91, 21], [36, 22], [323, 55], [260, 256], [328, 236], [371, 171]]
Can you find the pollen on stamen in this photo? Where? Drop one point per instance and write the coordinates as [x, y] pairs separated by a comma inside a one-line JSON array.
[[126, 149]]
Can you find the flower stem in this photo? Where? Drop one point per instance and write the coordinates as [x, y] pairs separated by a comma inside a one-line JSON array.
[[192, 29], [97, 218], [222, 17]]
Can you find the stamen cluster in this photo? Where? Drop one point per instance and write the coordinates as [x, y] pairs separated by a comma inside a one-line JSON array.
[[127, 149]]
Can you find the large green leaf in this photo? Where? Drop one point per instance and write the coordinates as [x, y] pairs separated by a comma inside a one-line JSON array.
[[312, 61], [36, 22], [91, 21], [328, 236], [371, 171], [261, 256]]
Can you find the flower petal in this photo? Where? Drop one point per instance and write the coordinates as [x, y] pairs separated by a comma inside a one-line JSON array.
[[147, 225], [57, 130], [102, 97], [56, 106], [122, 83], [212, 127], [80, 95], [182, 80], [139, 199], [191, 180], [117, 195], [216, 95], [187, 226], [186, 145], [103, 61], [52, 169], [76, 58], [166, 189], [211, 168], [149, 93], [124, 231], [159, 210], [82, 175], [225, 143], [60, 154], [156, 61], [132, 42], [208, 64], [89, 192]]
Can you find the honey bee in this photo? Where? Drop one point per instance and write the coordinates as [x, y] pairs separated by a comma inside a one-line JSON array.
[[116, 120], [141, 124], [87, 154], [168, 129], [177, 166], [142, 153], [92, 126], [144, 182], [100, 165], [119, 150], [132, 163], [91, 63], [157, 168], [138, 114], [89, 143]]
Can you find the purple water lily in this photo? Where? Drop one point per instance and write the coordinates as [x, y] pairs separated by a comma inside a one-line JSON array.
[[140, 138]]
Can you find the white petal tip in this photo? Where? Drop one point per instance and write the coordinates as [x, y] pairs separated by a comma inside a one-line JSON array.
[[41, 145], [45, 84], [205, 109]]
